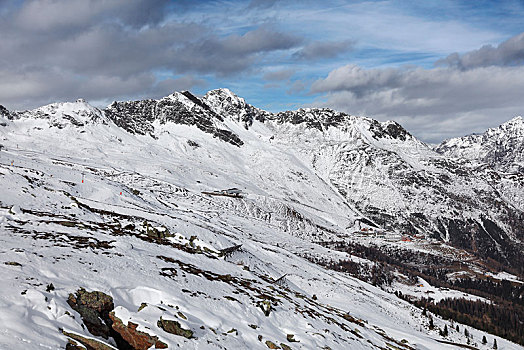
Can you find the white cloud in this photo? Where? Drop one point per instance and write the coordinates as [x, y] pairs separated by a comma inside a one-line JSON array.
[[507, 53], [432, 103]]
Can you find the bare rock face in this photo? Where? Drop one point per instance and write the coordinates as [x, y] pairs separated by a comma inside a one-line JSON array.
[[88, 343], [94, 307], [4, 112], [4, 115], [227, 104], [174, 327], [272, 345], [96, 310], [315, 118], [137, 117], [502, 147], [138, 340]]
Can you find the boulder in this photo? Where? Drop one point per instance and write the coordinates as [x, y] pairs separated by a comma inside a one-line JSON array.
[[138, 340], [272, 345], [174, 327], [94, 307], [88, 343]]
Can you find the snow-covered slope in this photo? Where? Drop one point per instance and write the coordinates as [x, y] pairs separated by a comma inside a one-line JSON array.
[[401, 184], [501, 147], [112, 200]]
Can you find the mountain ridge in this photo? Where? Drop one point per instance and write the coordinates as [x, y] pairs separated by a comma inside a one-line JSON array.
[[381, 170], [500, 147], [131, 202]]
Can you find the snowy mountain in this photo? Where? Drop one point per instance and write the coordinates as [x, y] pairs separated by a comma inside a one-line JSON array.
[[401, 184], [501, 147], [117, 232]]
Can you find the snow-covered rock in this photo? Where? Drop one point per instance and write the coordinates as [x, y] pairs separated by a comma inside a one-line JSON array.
[[501, 147]]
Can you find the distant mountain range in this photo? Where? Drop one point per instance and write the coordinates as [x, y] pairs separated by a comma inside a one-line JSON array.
[[467, 191], [502, 147], [125, 195]]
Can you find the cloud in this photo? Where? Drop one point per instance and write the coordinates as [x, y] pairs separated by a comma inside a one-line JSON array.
[[233, 54], [323, 49], [433, 103], [30, 88], [358, 80], [507, 53], [168, 86], [56, 50], [261, 4], [279, 75], [298, 86], [57, 44], [57, 15]]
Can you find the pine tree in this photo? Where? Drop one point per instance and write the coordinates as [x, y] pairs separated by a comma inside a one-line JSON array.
[[458, 329], [484, 340], [431, 325], [466, 333], [495, 344], [445, 333]]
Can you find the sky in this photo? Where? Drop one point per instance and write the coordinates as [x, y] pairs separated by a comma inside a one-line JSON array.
[[440, 68]]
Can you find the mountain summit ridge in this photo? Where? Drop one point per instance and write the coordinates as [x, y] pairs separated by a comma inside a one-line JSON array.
[[243, 228], [501, 147], [382, 171]]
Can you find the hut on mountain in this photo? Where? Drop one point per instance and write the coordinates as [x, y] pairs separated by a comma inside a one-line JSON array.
[[233, 192]]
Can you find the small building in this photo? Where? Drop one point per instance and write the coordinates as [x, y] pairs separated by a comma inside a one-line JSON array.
[[233, 192]]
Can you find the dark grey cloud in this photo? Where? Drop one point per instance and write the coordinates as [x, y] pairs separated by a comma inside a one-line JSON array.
[[167, 86], [107, 49], [433, 103], [324, 49], [65, 48], [234, 53], [30, 88], [72, 15], [507, 53]]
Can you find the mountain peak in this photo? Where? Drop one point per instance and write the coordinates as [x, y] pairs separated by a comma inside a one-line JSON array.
[[61, 114], [182, 108], [224, 92], [501, 147], [4, 112], [512, 128], [224, 96], [226, 103], [518, 120]]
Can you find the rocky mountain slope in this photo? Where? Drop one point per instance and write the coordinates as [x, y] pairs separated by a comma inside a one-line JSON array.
[[501, 147], [401, 184], [125, 202]]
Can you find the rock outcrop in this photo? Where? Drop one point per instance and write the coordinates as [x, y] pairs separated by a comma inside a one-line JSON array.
[[138, 340], [94, 308]]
